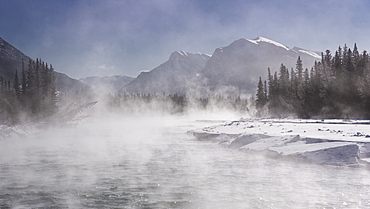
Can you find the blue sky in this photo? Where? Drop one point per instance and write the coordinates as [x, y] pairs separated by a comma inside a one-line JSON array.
[[107, 37]]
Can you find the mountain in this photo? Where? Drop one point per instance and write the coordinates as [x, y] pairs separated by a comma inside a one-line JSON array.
[[107, 84], [231, 70], [235, 69], [11, 60], [177, 75]]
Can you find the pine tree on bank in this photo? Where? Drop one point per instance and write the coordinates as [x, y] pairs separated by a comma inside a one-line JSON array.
[[336, 87], [261, 100], [34, 94]]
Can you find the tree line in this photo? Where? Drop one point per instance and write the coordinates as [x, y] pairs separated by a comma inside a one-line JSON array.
[[338, 86], [31, 94], [174, 103]]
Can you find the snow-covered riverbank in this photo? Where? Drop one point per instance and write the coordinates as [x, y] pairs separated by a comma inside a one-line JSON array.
[[333, 142]]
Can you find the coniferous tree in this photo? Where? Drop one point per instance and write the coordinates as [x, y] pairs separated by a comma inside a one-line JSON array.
[[52, 90], [270, 84], [337, 87], [299, 69], [24, 79], [34, 93], [16, 84], [293, 84], [261, 95], [265, 89]]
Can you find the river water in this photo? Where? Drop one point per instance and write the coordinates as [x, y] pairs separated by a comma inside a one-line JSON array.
[[151, 162]]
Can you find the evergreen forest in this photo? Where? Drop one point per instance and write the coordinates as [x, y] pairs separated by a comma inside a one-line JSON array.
[[174, 103], [30, 96], [338, 86]]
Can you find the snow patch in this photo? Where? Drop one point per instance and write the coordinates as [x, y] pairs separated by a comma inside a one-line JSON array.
[[265, 40], [183, 53], [311, 53]]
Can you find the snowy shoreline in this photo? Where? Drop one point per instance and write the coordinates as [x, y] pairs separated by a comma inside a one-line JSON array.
[[330, 141]]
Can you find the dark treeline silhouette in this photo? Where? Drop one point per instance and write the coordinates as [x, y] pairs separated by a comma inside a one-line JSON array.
[[338, 86], [174, 103], [30, 95]]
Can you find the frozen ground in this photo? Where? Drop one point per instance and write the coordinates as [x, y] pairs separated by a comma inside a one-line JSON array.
[[333, 142]]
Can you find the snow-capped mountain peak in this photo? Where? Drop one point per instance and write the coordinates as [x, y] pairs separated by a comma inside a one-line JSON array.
[[230, 70], [265, 40]]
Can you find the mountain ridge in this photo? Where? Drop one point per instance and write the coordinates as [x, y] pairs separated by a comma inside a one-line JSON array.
[[230, 70], [176, 75]]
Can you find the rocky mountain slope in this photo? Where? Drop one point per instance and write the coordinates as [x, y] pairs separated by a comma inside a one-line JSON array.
[[177, 75]]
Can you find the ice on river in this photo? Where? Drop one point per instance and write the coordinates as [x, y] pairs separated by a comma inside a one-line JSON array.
[[333, 142]]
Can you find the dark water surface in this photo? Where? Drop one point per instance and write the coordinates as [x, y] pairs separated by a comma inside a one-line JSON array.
[[154, 163]]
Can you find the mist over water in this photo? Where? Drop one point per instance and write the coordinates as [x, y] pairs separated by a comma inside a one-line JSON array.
[[151, 162]]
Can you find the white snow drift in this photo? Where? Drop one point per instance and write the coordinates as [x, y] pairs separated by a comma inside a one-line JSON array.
[[332, 142]]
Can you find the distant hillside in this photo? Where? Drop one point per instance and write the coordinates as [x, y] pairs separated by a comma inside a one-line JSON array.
[[11, 60]]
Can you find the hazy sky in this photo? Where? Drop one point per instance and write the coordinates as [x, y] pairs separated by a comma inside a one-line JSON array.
[[107, 37]]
